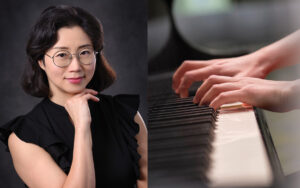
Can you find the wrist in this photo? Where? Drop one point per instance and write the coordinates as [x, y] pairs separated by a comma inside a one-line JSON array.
[[84, 132], [291, 96], [266, 60]]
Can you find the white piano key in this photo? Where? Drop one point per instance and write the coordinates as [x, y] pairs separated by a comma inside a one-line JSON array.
[[239, 157]]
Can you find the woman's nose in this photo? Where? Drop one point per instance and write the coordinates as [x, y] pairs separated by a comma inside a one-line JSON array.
[[75, 64]]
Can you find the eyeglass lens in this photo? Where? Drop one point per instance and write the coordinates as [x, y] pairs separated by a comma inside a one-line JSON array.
[[64, 58]]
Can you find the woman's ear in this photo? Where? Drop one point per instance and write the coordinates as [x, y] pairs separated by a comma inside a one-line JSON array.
[[42, 64]]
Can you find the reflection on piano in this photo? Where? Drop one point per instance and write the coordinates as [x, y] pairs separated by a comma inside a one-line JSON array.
[[194, 146]]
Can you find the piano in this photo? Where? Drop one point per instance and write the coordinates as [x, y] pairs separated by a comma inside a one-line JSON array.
[[196, 146]]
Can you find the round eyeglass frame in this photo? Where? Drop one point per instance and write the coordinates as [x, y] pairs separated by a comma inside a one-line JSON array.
[[76, 55]]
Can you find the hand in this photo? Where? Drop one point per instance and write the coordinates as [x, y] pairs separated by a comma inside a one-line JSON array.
[[277, 96], [191, 71], [78, 109]]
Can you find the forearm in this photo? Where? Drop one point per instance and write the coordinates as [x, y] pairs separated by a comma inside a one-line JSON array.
[[291, 95], [280, 54], [82, 172]]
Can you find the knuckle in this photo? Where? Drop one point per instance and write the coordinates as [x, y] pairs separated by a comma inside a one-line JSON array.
[[222, 96], [217, 66], [248, 90], [212, 78], [245, 89], [215, 88], [186, 63], [187, 77]]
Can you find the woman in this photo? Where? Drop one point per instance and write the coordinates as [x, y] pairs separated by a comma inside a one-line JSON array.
[[75, 137]]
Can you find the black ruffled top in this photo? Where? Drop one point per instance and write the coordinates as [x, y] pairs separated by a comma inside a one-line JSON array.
[[113, 133]]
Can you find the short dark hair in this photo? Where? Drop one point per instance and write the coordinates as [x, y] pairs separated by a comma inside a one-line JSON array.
[[44, 35]]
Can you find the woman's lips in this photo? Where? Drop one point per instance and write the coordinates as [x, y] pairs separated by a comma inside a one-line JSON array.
[[75, 80]]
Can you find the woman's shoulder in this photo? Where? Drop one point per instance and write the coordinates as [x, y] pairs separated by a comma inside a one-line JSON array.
[[33, 128], [38, 112], [29, 126], [28, 118]]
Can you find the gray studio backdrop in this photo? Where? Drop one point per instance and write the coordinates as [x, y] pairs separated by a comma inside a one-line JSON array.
[[125, 34]]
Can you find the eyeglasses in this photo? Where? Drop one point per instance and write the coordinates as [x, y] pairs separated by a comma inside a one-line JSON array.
[[64, 58]]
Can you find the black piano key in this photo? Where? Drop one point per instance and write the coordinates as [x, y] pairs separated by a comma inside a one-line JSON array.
[[192, 140], [179, 151], [187, 109], [194, 120], [180, 135], [177, 131], [179, 116]]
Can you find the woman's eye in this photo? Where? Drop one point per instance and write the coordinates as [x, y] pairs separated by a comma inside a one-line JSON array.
[[85, 52], [62, 55]]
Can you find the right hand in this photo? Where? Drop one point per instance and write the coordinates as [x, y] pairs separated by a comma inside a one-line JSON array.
[[192, 71], [78, 109], [277, 96]]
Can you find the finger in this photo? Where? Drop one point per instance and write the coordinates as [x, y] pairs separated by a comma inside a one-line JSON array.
[[228, 97], [91, 97], [190, 77], [94, 92], [208, 83], [215, 91], [183, 68], [85, 91]]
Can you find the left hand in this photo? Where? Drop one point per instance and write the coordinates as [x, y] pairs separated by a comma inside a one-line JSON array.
[[78, 108], [277, 96]]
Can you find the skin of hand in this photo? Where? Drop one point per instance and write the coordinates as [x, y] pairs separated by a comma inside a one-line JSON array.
[[79, 113], [257, 64], [279, 96], [192, 71], [78, 109]]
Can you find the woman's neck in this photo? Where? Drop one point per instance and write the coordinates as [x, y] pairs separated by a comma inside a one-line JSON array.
[[60, 99]]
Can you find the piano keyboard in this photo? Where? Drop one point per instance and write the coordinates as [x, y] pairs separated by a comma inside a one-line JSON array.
[[180, 137], [194, 146]]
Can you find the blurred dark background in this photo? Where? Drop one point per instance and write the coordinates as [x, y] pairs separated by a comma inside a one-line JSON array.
[[207, 29], [125, 36]]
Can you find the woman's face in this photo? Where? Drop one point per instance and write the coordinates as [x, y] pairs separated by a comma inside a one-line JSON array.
[[73, 78]]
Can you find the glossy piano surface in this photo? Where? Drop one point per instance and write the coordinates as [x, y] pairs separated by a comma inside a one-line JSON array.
[[194, 146]]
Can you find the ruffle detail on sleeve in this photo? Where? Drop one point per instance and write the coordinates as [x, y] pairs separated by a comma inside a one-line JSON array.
[[127, 107], [31, 132], [58, 152]]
